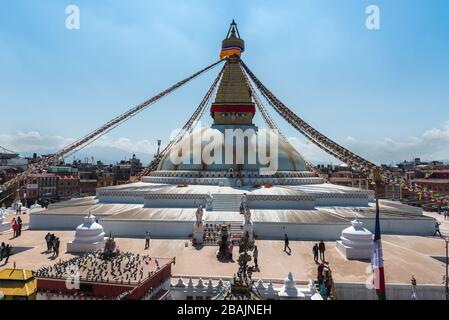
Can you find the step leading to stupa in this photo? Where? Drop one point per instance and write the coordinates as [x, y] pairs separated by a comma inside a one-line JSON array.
[[226, 202]]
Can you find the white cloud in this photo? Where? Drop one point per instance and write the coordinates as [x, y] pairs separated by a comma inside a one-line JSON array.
[[433, 144], [105, 148]]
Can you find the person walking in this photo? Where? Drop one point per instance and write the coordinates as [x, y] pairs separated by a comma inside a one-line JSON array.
[[15, 226], [445, 214], [48, 241], [56, 247], [147, 240], [437, 229], [19, 228], [2, 251], [256, 256], [286, 244], [7, 252], [52, 242], [315, 252], [321, 249]]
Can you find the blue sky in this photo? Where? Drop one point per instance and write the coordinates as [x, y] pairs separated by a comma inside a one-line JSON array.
[[383, 93]]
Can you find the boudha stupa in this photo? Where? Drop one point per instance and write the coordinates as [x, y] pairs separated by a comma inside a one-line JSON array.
[[208, 168]]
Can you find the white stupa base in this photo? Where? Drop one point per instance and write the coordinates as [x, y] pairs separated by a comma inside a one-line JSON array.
[[81, 247], [198, 233], [354, 253]]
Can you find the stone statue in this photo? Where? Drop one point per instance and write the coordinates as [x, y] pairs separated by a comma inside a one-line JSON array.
[[199, 215]]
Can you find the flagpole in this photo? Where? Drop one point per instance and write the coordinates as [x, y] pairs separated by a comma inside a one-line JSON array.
[[377, 259]]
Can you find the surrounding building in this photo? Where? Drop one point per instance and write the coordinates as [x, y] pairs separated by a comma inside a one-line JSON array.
[[17, 284]]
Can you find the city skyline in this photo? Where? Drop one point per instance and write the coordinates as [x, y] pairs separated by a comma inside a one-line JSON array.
[[379, 93]]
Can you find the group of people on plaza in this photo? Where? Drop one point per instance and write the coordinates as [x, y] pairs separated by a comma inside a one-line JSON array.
[[5, 252], [16, 225], [53, 244], [324, 280], [318, 251]]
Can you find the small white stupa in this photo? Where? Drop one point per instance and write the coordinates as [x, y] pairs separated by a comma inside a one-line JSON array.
[[89, 236], [4, 226], [289, 291], [36, 206], [356, 242]]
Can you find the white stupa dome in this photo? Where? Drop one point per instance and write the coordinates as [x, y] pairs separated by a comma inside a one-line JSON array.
[[356, 242], [356, 233], [89, 236]]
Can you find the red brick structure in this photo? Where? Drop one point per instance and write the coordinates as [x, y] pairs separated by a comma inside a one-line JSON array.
[[53, 286]]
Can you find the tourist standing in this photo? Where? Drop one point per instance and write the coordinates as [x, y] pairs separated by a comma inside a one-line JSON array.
[[286, 244], [147, 240], [14, 226], [19, 222], [414, 292], [320, 270], [2, 251], [7, 252], [445, 214], [321, 249], [48, 241], [56, 247], [52, 242], [315, 252], [256, 256], [437, 229]]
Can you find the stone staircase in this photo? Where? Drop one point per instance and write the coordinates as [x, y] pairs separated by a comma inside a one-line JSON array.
[[212, 233], [226, 202]]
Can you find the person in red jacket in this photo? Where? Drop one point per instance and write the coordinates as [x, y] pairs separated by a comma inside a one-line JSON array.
[[15, 227]]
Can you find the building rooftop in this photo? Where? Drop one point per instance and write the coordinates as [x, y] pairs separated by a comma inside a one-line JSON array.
[[17, 282]]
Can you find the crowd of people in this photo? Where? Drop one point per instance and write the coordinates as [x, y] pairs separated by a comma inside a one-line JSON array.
[[16, 225], [318, 251], [324, 281], [53, 244]]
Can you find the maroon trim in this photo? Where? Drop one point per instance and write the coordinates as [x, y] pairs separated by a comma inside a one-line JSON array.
[[233, 108]]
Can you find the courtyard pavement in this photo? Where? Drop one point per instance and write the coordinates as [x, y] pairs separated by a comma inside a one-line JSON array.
[[404, 256]]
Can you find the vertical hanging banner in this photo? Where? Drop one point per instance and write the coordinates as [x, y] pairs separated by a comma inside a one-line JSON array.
[[377, 260]]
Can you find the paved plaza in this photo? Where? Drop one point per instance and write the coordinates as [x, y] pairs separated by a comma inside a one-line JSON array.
[[404, 256]]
